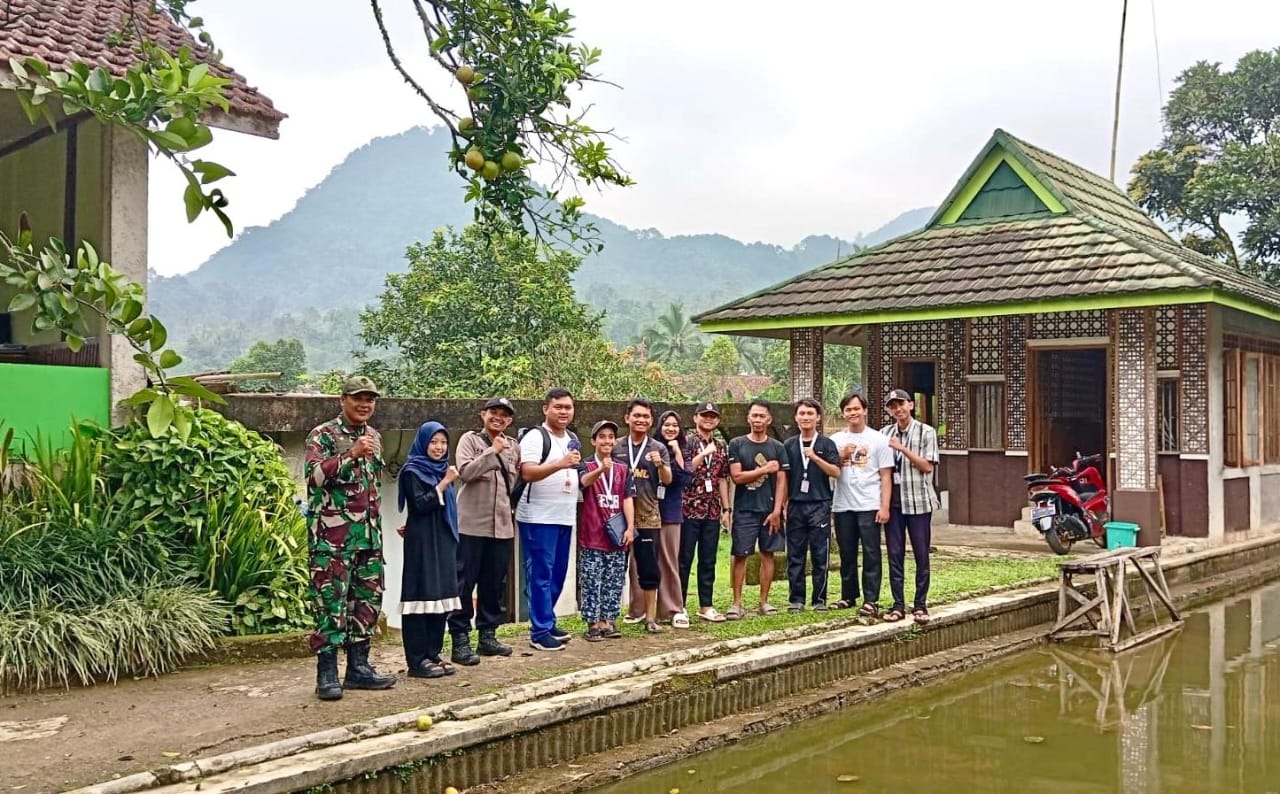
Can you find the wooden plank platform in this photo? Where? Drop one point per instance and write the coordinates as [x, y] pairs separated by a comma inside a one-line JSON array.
[[1107, 613]]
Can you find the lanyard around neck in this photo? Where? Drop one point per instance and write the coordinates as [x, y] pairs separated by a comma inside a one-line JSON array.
[[632, 457], [608, 481]]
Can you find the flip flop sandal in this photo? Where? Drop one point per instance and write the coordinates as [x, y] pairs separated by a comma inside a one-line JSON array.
[[594, 635], [819, 607], [711, 615], [680, 620], [652, 627], [893, 616], [921, 616], [768, 609], [841, 604], [869, 610], [611, 632], [793, 609], [630, 621], [734, 612], [431, 670]]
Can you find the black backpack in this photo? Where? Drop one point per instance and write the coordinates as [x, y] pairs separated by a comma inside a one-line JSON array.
[[519, 489]]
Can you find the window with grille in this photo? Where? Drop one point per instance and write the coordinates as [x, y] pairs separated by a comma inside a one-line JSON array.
[[1167, 414], [986, 412], [1271, 409], [1251, 410], [1231, 407]]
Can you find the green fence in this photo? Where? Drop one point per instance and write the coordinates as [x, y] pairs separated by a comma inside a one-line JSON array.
[[44, 401]]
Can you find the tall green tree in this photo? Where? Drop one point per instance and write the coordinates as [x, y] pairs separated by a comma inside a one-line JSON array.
[[1219, 160], [286, 356], [482, 311]]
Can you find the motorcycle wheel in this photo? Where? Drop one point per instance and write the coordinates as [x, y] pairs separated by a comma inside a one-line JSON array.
[[1059, 537]]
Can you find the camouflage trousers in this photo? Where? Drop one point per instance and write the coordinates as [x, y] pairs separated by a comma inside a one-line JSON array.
[[346, 591]]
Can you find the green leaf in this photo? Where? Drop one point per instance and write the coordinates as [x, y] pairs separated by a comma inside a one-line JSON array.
[[170, 359], [19, 71], [193, 197], [182, 423], [160, 415], [189, 387], [197, 74], [158, 335], [74, 342], [21, 302], [211, 172]]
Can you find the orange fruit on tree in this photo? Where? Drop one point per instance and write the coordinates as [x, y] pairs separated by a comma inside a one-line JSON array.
[[474, 159], [465, 74], [490, 170], [512, 161]]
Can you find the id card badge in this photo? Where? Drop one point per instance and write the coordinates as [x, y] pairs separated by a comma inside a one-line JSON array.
[[897, 478], [706, 485], [567, 487], [804, 485], [662, 492]]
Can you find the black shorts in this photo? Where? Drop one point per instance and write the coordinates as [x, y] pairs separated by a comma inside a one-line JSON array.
[[645, 552], [749, 532]]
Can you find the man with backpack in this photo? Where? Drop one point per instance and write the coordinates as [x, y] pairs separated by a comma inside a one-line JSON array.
[[546, 510]]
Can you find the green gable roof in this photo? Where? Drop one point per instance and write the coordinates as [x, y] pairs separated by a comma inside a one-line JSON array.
[[1003, 195], [1084, 244]]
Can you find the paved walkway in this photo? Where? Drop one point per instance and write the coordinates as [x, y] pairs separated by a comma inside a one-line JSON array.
[[58, 739]]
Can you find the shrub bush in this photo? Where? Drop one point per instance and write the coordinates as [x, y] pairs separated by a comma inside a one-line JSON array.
[[256, 560], [170, 483], [87, 591]]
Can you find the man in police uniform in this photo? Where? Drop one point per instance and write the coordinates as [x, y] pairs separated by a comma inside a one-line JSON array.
[[344, 545]]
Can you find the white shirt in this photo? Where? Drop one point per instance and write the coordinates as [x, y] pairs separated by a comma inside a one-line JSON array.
[[858, 486], [554, 498]]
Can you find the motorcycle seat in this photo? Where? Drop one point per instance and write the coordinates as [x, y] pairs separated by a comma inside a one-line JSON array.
[[1044, 481]]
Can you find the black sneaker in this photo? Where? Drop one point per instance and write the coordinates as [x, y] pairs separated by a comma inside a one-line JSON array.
[[561, 635], [547, 643]]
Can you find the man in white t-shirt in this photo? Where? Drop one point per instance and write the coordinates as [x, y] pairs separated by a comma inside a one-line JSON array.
[[545, 514], [861, 504]]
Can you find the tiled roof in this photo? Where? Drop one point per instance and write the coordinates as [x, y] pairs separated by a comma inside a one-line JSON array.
[[1103, 245], [61, 32]]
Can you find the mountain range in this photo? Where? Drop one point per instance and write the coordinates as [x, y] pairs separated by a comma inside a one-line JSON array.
[[309, 273]]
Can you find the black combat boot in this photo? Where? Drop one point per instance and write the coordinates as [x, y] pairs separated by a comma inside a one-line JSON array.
[[359, 674], [327, 686], [489, 645], [462, 653]]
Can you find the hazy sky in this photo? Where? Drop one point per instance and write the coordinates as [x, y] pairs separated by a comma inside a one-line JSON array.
[[762, 121]]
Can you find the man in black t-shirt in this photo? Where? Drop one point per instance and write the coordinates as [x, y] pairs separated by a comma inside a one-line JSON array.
[[814, 460], [758, 468]]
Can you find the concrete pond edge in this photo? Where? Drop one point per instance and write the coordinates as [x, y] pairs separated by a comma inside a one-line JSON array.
[[363, 749]]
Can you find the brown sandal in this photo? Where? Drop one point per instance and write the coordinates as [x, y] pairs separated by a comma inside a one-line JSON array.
[[921, 616], [894, 615]]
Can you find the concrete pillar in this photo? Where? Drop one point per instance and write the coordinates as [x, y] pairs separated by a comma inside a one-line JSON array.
[[124, 245], [806, 363], [1217, 425], [1135, 498]]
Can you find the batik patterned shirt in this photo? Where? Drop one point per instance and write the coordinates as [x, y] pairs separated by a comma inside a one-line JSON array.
[[699, 502]]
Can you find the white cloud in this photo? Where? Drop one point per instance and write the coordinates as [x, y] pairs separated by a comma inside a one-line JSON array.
[[756, 120]]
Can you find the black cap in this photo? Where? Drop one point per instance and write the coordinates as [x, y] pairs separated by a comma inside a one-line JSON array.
[[603, 423], [706, 408], [500, 402], [897, 394]]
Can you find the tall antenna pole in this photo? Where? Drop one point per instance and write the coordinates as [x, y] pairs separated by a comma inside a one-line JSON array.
[[1115, 121]]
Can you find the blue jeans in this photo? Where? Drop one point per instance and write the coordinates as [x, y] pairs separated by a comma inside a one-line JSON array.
[[917, 528], [545, 550]]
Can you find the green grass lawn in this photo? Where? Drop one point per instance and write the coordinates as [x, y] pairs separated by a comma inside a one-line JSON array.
[[953, 578]]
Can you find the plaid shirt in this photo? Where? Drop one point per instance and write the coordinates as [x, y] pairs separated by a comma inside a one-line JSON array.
[[917, 491]]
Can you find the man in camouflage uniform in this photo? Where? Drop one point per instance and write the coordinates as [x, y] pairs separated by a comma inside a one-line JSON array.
[[342, 469]]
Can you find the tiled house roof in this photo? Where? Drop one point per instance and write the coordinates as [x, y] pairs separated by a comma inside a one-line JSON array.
[[1097, 244], [61, 32]]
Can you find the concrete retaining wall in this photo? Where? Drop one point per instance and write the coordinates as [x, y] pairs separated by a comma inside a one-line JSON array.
[[557, 720]]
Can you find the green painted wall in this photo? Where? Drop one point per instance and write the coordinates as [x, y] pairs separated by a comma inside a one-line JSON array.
[[46, 400]]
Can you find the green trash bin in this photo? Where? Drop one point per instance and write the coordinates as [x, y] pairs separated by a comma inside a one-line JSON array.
[[1121, 535]]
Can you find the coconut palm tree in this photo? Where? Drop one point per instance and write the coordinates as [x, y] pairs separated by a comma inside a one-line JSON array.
[[672, 337]]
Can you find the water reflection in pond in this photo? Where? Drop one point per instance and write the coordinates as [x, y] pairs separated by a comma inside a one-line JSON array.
[[1198, 711]]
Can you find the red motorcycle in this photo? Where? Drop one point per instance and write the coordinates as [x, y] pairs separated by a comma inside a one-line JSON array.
[[1070, 503]]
